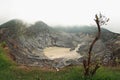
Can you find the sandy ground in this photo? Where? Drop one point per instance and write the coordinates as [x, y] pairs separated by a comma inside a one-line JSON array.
[[60, 52]]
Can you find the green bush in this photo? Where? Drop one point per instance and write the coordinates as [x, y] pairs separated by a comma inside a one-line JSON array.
[[3, 44]]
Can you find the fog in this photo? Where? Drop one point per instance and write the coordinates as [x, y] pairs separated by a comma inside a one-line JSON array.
[[61, 12]]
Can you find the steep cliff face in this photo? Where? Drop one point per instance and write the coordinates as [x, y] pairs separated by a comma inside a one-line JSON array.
[[27, 42]]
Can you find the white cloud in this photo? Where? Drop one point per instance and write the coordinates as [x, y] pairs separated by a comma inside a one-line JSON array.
[[65, 12]]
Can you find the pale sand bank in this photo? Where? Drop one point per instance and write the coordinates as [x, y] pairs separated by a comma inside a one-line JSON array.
[[60, 52]]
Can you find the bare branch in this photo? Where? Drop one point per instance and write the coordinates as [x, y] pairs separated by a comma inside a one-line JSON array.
[[100, 20]]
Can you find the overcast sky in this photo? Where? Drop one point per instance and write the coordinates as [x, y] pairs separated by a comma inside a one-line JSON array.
[[61, 12]]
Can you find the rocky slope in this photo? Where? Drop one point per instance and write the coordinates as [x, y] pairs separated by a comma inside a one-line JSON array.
[[27, 42]]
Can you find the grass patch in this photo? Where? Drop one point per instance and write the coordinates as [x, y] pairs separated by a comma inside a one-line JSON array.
[[5, 61], [10, 71]]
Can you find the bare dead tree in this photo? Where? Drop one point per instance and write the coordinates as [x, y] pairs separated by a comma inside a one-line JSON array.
[[99, 20]]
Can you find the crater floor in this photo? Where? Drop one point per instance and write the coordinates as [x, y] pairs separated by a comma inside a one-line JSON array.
[[60, 52]]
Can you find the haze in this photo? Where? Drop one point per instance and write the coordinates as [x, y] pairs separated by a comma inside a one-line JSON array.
[[61, 12]]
